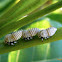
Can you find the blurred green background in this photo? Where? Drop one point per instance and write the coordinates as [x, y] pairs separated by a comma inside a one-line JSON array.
[[48, 52]]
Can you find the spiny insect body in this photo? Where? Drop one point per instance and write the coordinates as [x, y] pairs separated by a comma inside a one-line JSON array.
[[10, 39], [46, 33], [28, 34]]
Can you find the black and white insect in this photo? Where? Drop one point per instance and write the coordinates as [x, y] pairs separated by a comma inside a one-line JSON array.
[[46, 33], [28, 34], [10, 39]]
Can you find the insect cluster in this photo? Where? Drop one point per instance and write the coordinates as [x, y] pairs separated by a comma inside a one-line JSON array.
[[12, 38]]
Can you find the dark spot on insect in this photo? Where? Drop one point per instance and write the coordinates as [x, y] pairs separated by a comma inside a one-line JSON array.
[[42, 39]]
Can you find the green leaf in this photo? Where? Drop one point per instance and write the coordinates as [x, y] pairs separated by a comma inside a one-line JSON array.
[[56, 17], [21, 9], [41, 23], [24, 55], [5, 4], [13, 56], [49, 52], [55, 24], [4, 57], [36, 41], [40, 52], [30, 18]]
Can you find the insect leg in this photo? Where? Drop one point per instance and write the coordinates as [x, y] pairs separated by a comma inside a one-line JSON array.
[[11, 43], [15, 41], [45, 37], [8, 43], [42, 39], [30, 37]]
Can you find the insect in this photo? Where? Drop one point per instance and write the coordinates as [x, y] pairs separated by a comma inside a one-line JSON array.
[[28, 34], [10, 39], [46, 33]]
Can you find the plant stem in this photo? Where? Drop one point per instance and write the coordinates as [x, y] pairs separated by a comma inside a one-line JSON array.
[[30, 43]]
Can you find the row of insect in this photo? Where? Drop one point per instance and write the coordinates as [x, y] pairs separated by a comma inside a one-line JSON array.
[[12, 38]]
